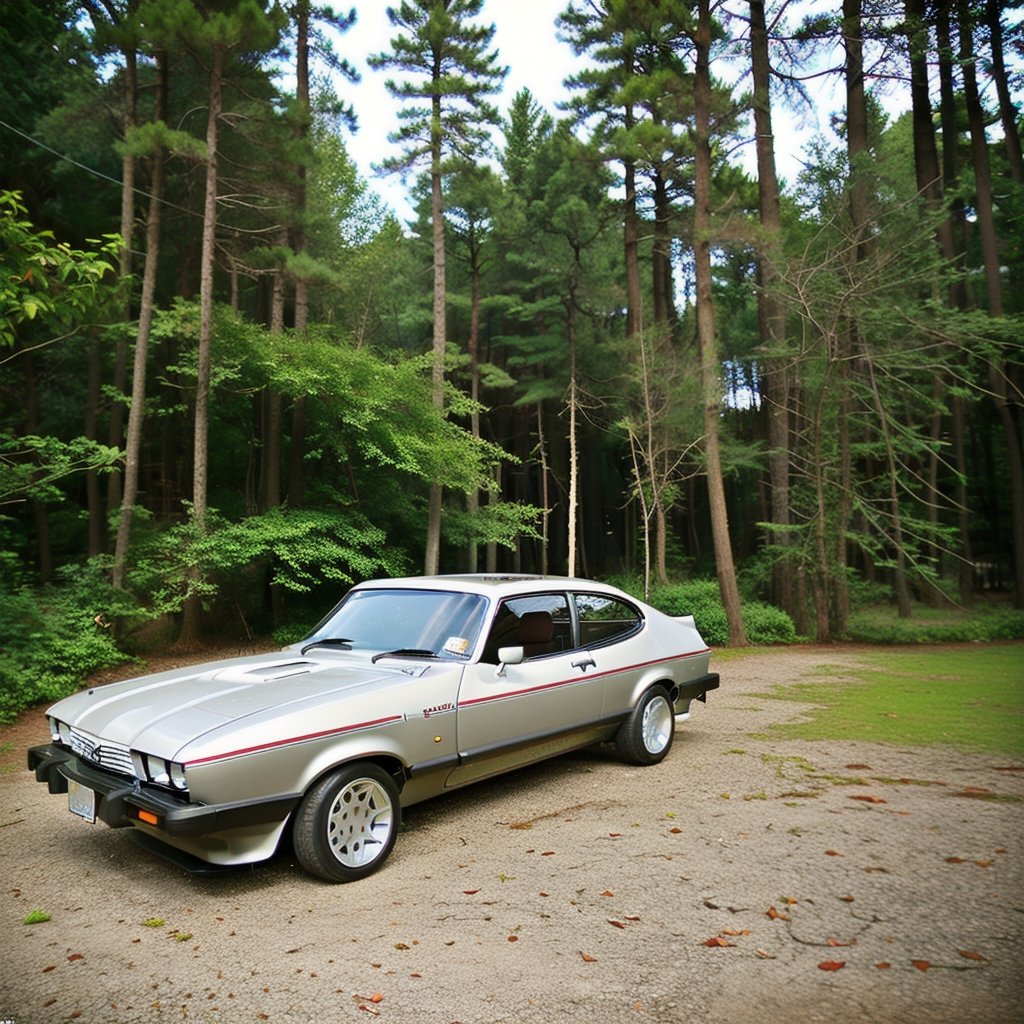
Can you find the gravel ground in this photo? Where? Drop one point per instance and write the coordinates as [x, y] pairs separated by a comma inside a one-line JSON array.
[[743, 879]]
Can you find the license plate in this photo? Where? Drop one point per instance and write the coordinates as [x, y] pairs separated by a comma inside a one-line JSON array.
[[81, 800]]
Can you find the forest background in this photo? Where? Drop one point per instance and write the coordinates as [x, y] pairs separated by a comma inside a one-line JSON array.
[[234, 382]]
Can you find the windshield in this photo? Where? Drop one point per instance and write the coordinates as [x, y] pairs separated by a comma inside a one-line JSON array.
[[440, 622]]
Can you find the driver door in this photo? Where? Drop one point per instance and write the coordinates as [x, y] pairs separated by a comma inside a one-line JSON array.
[[511, 715]]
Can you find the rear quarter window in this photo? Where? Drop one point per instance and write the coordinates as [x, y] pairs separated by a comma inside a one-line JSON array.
[[605, 620]]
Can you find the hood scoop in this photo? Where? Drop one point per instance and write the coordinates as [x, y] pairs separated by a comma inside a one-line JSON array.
[[266, 673]]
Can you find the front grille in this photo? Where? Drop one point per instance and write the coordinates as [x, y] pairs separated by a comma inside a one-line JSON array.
[[112, 756]]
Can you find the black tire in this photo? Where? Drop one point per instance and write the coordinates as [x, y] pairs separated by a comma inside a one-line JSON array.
[[347, 823], [645, 737]]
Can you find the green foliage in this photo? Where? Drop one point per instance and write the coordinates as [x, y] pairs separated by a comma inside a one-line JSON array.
[[44, 281], [30, 466], [53, 637], [880, 625], [36, 917], [300, 549], [764, 623]]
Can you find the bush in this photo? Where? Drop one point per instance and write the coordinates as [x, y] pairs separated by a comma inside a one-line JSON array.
[[702, 600], [881, 626], [764, 623], [50, 640]]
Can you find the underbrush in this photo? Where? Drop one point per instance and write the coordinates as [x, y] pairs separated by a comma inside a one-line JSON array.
[[879, 624], [764, 623], [52, 638]]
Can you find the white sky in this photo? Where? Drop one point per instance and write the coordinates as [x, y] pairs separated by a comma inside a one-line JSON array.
[[526, 40]]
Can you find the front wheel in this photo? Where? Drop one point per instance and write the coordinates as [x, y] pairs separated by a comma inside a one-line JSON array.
[[347, 823], [645, 737]]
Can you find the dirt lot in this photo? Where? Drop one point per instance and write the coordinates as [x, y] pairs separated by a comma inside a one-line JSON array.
[[743, 879]]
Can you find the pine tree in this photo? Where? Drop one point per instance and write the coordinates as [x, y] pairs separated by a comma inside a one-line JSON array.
[[445, 120]]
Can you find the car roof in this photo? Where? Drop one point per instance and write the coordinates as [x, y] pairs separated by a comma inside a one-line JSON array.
[[490, 584]]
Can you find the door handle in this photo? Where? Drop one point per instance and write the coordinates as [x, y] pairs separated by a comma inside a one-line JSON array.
[[584, 663]]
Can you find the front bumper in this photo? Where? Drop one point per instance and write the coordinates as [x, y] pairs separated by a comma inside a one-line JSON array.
[[123, 802]]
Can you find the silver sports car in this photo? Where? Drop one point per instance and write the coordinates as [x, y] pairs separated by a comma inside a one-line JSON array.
[[408, 688]]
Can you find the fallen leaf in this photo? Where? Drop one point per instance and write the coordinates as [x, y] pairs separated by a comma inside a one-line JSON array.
[[884, 965], [542, 893], [513, 938], [377, 997], [837, 942], [734, 931], [607, 892], [632, 917], [401, 945], [868, 799], [587, 958], [921, 965], [971, 955], [675, 831], [470, 892], [763, 955], [76, 956], [717, 940], [846, 899], [858, 767], [775, 915], [615, 835], [52, 967], [548, 853], [616, 924], [831, 965], [955, 860], [832, 853], [984, 863]]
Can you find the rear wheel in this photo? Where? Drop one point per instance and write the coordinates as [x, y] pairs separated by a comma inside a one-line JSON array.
[[645, 737], [347, 823]]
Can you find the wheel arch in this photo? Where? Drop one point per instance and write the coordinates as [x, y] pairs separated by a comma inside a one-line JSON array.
[[387, 762]]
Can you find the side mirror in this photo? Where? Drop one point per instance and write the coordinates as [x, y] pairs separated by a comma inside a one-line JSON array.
[[508, 656]]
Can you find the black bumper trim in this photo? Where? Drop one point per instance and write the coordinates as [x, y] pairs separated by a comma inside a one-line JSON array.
[[697, 689], [118, 800]]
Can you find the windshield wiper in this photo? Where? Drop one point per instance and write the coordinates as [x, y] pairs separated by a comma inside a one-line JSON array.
[[329, 641], [404, 652]]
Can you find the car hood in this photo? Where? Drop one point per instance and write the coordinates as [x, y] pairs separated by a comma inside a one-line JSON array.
[[159, 714]]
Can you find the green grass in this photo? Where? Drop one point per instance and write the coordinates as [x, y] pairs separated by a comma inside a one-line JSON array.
[[970, 698]]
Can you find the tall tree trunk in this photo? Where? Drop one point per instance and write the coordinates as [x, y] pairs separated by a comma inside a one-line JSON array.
[[948, 119], [572, 514], [771, 314], [298, 418], [994, 288], [710, 380], [432, 552], [190, 625], [849, 337], [473, 497], [137, 407], [661, 257], [1008, 113], [116, 427], [631, 242]]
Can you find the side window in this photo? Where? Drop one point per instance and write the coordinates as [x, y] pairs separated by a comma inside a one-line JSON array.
[[605, 620], [539, 623]]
